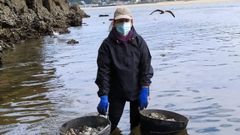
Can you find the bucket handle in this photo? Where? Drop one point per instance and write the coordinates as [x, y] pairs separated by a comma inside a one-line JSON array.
[[106, 117]]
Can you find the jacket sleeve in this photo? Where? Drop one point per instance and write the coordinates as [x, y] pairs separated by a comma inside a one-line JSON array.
[[103, 72], [146, 70]]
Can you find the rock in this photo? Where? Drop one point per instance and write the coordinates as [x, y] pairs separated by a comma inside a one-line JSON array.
[[1, 53], [72, 41], [63, 31], [75, 16], [24, 19], [103, 15]]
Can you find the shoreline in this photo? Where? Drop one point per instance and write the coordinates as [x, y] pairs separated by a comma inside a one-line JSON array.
[[166, 3]]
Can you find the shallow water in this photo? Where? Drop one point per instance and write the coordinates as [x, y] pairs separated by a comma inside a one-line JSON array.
[[196, 60]]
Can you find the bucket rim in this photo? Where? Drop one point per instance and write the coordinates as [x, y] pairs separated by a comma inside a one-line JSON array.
[[63, 128], [161, 110]]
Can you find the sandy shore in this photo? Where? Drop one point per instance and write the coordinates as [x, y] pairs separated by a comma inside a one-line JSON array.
[[183, 2], [192, 2]]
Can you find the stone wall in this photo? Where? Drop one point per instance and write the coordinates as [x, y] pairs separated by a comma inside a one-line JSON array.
[[24, 19]]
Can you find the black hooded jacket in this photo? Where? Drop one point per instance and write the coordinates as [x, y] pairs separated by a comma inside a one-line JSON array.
[[123, 66]]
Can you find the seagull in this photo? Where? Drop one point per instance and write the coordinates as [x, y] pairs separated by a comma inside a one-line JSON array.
[[157, 10], [162, 12], [169, 11]]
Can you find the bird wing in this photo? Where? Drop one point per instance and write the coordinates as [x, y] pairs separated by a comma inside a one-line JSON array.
[[170, 12], [157, 10]]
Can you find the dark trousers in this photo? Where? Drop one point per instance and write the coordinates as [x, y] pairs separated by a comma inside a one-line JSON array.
[[116, 108]]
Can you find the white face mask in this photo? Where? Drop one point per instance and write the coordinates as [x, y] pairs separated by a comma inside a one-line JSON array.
[[123, 28]]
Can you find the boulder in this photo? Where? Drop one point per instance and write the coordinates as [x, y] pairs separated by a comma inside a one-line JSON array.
[[23, 19], [72, 41]]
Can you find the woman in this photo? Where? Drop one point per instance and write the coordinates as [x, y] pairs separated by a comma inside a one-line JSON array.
[[124, 70]]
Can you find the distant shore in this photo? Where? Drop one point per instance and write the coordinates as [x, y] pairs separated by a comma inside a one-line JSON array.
[[166, 3]]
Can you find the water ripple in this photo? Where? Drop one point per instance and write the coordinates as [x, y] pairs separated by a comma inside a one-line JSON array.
[[208, 130], [195, 63]]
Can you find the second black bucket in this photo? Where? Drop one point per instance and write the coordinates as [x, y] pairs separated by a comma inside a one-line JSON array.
[[152, 126], [90, 121]]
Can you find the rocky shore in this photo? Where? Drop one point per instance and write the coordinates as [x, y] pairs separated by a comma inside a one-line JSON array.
[[25, 19]]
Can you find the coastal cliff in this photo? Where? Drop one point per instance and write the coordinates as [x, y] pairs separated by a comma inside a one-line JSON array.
[[25, 19]]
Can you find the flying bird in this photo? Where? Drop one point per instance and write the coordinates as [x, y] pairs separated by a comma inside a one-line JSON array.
[[169, 11], [162, 12], [157, 10]]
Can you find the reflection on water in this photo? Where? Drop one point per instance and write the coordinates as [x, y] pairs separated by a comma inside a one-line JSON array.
[[23, 81], [44, 83]]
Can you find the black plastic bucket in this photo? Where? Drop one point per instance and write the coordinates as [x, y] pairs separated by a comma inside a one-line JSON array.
[[90, 121], [152, 126]]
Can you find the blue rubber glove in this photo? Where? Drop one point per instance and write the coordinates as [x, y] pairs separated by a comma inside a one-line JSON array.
[[143, 97], [103, 105]]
